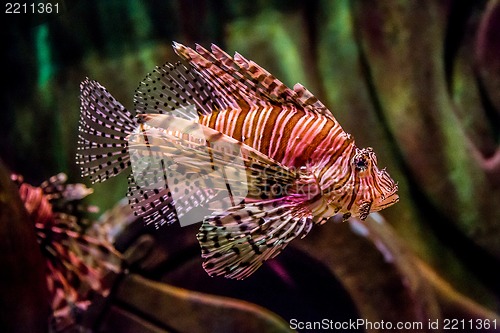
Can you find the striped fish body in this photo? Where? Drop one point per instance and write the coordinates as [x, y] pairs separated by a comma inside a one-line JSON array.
[[297, 138], [286, 134], [292, 137], [285, 162]]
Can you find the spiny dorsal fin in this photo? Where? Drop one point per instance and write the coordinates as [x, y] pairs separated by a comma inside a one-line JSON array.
[[245, 80], [212, 75], [308, 101], [225, 70], [173, 87]]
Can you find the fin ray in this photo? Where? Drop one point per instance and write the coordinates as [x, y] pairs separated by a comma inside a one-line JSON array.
[[235, 243], [171, 87], [104, 126], [237, 79]]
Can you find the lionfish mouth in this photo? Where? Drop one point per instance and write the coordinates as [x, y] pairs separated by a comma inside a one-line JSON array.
[[389, 190], [389, 200]]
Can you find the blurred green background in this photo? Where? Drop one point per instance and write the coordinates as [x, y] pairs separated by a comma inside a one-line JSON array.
[[419, 81]]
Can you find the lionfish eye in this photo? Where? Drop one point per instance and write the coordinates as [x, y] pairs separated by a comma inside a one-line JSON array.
[[360, 163]]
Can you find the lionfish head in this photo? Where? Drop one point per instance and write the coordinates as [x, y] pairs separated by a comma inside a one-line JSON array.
[[377, 190]]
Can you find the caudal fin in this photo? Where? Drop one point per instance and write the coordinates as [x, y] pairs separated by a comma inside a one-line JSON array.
[[104, 127]]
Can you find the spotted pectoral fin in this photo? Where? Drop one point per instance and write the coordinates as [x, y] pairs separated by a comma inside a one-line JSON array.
[[155, 203], [176, 169], [237, 242]]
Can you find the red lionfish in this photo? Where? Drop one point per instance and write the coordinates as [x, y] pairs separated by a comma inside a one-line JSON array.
[[77, 265], [300, 168]]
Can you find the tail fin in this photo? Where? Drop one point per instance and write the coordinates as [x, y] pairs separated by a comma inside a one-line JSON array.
[[104, 127]]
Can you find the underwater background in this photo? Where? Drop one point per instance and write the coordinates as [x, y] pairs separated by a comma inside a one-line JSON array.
[[419, 81]]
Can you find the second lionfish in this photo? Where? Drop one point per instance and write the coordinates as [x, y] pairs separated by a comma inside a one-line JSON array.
[[266, 162]]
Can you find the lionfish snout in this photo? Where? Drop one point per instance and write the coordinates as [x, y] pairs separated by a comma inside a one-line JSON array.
[[388, 190]]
